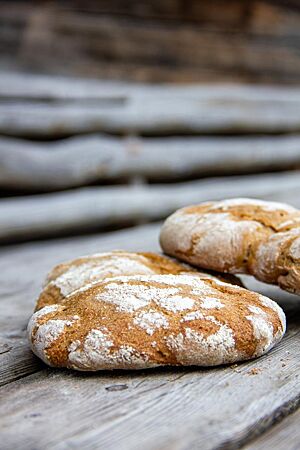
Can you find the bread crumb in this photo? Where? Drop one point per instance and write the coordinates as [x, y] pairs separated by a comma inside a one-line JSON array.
[[254, 371]]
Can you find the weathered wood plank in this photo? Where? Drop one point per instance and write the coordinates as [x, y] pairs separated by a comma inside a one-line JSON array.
[[283, 436], [58, 89], [147, 116], [83, 160], [208, 40], [97, 207], [17, 361], [30, 86], [144, 109]]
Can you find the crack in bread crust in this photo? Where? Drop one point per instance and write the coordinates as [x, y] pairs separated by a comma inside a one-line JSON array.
[[238, 236]]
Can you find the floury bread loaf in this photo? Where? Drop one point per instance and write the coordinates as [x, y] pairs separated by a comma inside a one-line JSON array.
[[143, 321], [238, 236], [67, 277]]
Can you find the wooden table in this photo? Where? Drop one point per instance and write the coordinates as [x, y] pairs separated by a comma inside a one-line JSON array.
[[170, 408]]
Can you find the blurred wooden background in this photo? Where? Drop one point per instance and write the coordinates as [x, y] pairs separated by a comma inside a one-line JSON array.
[[131, 106], [154, 41]]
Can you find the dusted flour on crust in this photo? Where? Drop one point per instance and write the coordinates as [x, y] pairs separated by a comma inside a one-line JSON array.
[[70, 276], [143, 321], [238, 236]]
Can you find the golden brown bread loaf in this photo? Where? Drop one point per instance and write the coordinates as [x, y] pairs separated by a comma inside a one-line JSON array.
[[238, 236], [143, 321], [67, 277]]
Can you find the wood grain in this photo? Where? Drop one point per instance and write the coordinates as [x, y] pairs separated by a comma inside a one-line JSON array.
[[83, 160], [16, 359], [283, 436], [94, 208]]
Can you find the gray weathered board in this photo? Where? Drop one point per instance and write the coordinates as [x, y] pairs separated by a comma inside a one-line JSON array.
[[36, 111], [94, 208], [286, 434], [53, 88], [191, 408], [82, 160]]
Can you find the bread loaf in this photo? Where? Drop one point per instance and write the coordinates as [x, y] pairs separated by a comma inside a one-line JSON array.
[[66, 278], [238, 236], [143, 321]]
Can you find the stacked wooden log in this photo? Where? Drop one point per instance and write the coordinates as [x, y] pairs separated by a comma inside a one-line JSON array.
[[116, 175]]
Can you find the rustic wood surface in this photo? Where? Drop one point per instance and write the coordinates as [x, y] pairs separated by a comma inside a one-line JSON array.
[[78, 161], [256, 40], [143, 109], [284, 435], [94, 208], [167, 408]]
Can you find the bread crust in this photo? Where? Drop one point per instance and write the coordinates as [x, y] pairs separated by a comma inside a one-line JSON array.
[[144, 321], [238, 236], [67, 277]]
